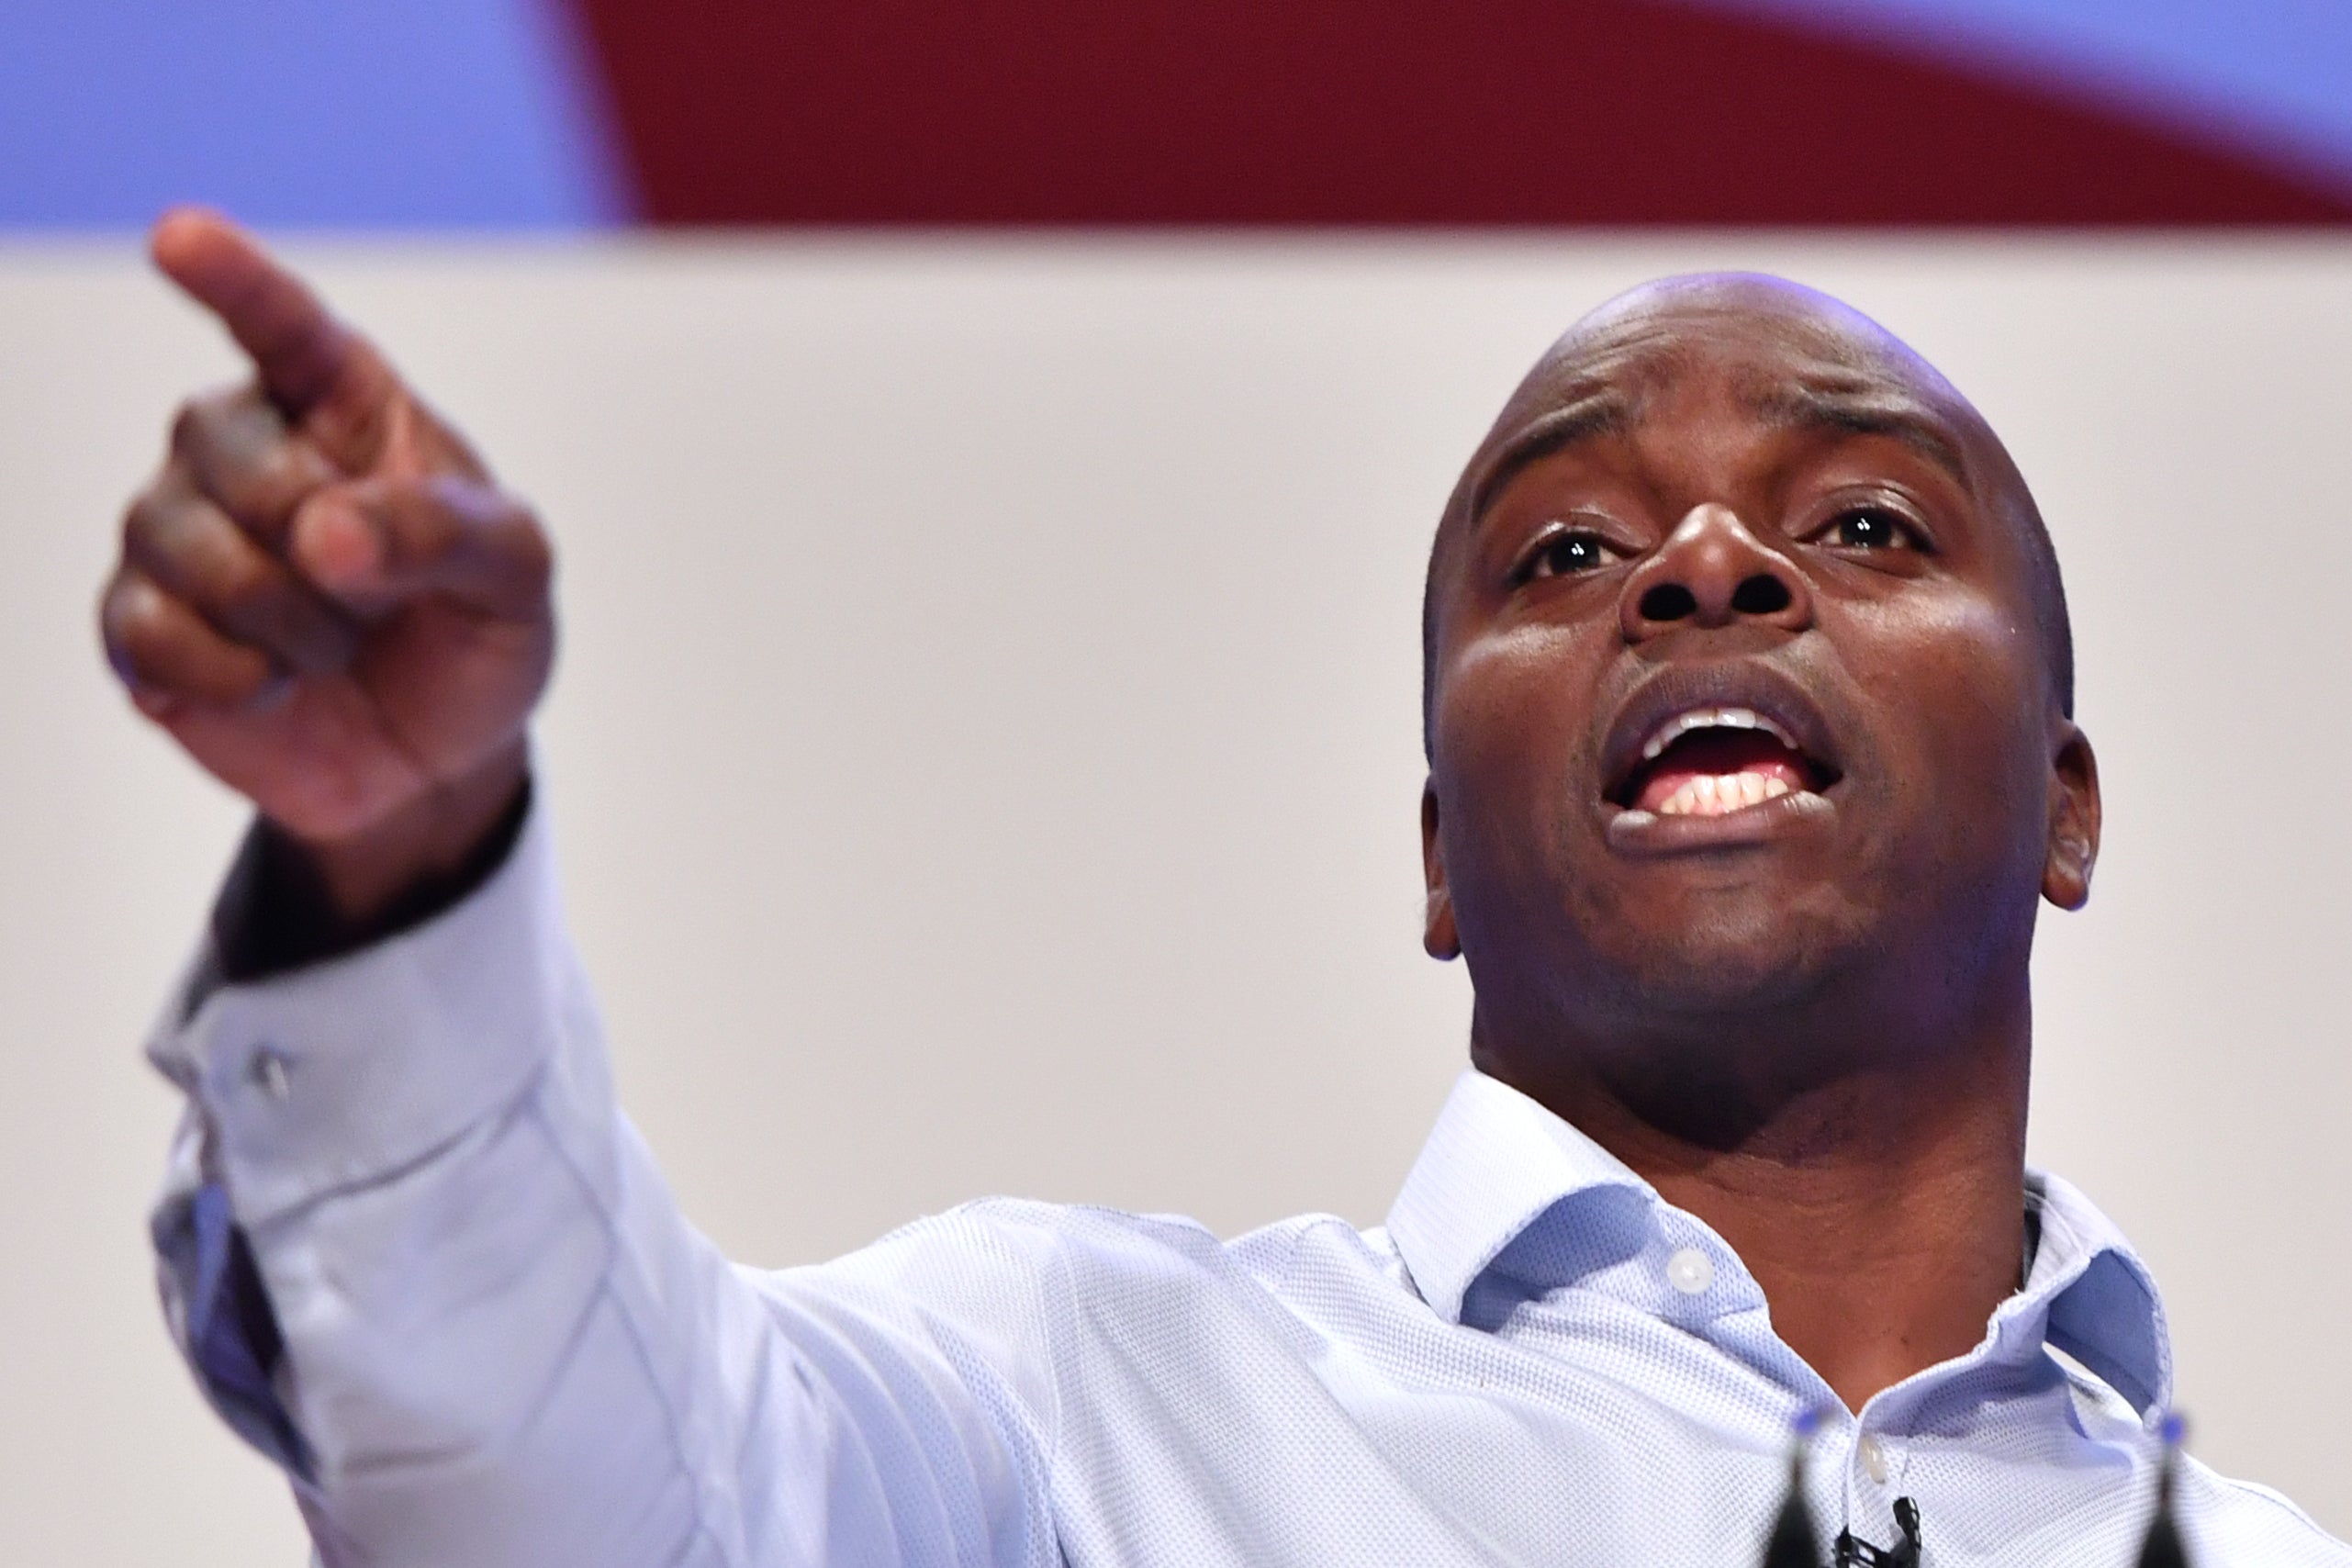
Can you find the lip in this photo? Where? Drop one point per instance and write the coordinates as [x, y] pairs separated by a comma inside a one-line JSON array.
[[1641, 833], [1745, 683]]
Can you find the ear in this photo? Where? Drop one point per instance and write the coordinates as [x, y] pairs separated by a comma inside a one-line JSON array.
[[2073, 843], [1437, 917]]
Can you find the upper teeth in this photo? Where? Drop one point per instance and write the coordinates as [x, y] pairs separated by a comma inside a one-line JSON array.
[[1705, 718]]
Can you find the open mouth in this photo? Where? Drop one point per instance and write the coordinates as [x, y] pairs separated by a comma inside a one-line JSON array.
[[1712, 762]]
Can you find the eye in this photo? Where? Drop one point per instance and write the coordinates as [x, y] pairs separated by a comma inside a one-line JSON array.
[[1566, 554], [1872, 527]]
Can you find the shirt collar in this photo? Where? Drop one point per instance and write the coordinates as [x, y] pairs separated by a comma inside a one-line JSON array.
[[1497, 1161], [2089, 1296]]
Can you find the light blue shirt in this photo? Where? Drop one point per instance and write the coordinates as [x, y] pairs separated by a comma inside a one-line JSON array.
[[502, 1344]]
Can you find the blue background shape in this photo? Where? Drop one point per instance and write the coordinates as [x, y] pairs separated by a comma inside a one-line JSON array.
[[473, 114], [2269, 78], [436, 114]]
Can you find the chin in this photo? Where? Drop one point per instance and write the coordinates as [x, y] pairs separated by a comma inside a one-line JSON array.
[[1738, 954]]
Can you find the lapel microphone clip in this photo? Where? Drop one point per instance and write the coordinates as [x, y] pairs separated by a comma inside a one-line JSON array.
[[1793, 1541]]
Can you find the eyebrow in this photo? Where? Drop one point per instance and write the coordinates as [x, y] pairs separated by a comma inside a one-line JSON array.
[[1885, 410], [1602, 410], [1608, 410]]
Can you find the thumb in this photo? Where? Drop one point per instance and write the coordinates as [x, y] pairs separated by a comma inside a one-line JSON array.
[[373, 545]]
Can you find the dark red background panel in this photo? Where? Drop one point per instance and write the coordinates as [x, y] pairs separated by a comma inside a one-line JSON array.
[[1254, 112]]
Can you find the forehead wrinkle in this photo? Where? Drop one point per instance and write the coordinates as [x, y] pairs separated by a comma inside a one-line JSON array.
[[1591, 411], [1647, 344], [1867, 410]]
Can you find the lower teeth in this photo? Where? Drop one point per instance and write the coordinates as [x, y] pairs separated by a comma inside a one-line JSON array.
[[1719, 795]]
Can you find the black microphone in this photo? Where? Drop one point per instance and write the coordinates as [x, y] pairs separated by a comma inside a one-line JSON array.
[[1792, 1541], [2164, 1548], [1904, 1554]]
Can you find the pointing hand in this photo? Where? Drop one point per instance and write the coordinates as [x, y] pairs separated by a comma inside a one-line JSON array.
[[322, 595]]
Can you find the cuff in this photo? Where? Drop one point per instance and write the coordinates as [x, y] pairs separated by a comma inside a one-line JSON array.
[[345, 1072], [274, 913]]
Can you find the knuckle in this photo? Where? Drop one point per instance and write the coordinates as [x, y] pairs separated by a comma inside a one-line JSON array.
[[532, 553], [139, 629], [264, 489], [198, 417], [142, 523], [157, 517], [278, 478], [244, 590], [509, 532], [110, 612], [237, 449], [163, 534], [144, 646]]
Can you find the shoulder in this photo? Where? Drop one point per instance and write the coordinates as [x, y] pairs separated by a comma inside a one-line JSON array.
[[1060, 1258], [2240, 1521]]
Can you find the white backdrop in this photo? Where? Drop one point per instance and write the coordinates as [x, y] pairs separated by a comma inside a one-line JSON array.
[[986, 754]]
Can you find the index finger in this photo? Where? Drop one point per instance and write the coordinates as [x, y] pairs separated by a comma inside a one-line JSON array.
[[314, 368]]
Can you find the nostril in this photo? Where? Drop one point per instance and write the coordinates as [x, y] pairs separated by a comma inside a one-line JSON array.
[[1667, 601], [1761, 595]]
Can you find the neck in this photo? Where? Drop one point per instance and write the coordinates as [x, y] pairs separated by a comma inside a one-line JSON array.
[[1879, 1199]]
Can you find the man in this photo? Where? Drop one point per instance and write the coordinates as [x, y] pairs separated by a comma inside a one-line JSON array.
[[1748, 711]]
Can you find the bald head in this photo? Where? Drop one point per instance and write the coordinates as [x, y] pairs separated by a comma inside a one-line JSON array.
[[1797, 356]]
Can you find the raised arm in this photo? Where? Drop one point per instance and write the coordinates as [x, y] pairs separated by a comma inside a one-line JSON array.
[[408, 1244]]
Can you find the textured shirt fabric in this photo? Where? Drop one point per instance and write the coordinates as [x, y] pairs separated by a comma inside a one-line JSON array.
[[489, 1338]]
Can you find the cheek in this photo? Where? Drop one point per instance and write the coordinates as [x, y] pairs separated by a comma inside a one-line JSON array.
[[1963, 681], [1513, 761], [1514, 719]]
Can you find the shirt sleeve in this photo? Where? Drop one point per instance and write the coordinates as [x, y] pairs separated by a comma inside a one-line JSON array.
[[414, 1254]]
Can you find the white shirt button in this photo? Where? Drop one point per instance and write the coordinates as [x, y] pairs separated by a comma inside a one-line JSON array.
[[268, 1072], [1690, 1271], [1872, 1455]]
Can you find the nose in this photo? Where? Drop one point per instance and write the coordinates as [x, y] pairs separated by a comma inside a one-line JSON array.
[[1712, 572]]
